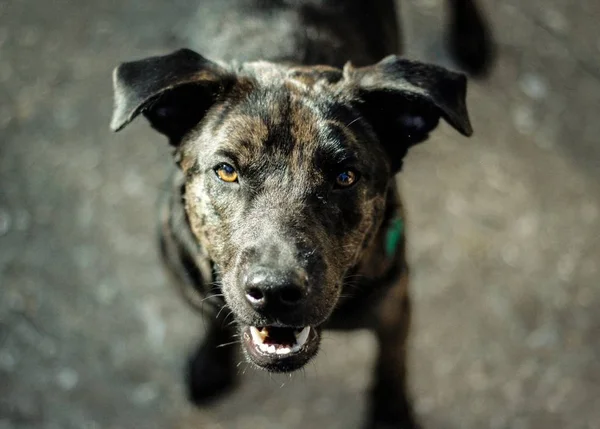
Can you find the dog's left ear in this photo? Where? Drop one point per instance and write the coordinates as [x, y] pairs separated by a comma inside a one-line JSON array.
[[403, 100], [172, 91]]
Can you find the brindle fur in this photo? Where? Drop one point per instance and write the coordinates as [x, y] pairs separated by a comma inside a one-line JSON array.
[[288, 123]]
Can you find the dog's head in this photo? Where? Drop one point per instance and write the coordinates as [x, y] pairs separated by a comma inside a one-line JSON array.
[[287, 170]]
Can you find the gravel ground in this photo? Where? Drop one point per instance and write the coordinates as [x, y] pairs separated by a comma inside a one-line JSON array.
[[504, 237]]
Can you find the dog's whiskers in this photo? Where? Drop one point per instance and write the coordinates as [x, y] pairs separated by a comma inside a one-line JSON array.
[[353, 285], [228, 344], [227, 317], [216, 295], [353, 276], [353, 121], [221, 309]]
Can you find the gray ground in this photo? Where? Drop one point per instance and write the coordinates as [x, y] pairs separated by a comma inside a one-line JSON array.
[[504, 238]]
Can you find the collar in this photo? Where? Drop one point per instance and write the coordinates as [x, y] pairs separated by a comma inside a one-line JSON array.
[[393, 235]]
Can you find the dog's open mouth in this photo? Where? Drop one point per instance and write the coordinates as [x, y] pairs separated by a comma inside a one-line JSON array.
[[279, 348], [280, 341]]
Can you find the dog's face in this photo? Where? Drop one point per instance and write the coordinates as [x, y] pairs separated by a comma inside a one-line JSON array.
[[287, 170]]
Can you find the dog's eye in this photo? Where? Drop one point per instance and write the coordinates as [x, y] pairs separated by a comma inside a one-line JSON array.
[[346, 179], [226, 173]]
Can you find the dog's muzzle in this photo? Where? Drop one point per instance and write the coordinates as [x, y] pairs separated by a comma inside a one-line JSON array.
[[278, 299]]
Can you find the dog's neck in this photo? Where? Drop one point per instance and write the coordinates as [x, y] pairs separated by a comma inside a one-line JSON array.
[[386, 254]]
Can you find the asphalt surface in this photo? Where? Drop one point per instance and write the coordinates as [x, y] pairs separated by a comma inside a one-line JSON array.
[[504, 232]]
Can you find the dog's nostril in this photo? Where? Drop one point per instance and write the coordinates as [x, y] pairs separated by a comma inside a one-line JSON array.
[[255, 295], [291, 295]]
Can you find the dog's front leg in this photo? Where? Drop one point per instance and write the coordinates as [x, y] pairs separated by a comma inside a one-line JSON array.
[[390, 403], [211, 368]]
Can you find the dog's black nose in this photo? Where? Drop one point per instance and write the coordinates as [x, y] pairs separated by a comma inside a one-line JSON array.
[[270, 290]]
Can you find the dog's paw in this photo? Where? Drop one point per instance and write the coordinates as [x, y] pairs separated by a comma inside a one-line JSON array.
[[210, 375]]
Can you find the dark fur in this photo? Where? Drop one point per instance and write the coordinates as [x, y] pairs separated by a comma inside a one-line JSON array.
[[289, 127]]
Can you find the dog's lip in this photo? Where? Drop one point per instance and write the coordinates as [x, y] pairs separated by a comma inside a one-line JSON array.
[[301, 345]]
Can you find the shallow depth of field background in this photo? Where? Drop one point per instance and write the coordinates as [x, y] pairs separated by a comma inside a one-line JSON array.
[[504, 237]]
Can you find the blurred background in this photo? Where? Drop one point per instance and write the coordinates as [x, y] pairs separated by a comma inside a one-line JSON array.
[[504, 237]]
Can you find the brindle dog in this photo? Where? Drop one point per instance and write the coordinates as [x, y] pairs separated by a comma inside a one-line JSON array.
[[284, 211]]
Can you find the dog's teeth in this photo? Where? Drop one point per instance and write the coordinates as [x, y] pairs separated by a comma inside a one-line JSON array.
[[302, 337], [257, 336]]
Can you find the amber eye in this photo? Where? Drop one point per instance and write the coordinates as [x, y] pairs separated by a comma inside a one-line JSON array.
[[346, 179], [226, 173]]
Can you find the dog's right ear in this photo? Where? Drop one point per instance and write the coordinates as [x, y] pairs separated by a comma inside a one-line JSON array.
[[404, 101], [172, 91]]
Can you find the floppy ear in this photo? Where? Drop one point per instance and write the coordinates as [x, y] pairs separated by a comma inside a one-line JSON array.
[[404, 100], [172, 91]]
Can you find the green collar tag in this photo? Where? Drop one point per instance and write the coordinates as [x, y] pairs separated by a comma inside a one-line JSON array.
[[393, 236]]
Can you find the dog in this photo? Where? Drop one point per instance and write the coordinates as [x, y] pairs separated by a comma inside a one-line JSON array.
[[283, 211]]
